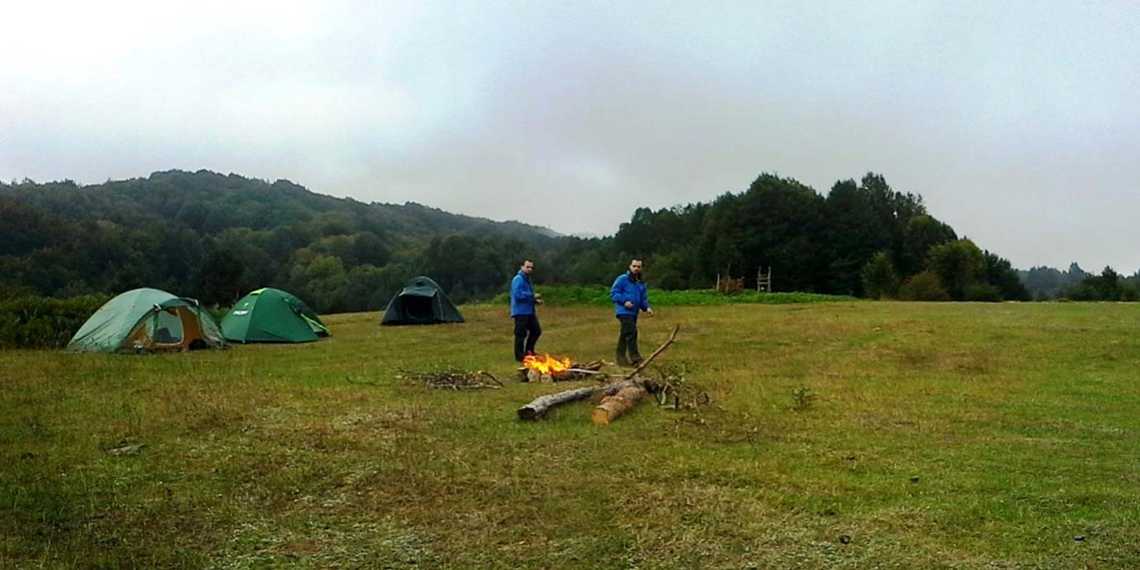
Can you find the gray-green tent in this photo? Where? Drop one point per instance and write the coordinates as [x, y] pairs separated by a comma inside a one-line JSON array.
[[421, 302], [143, 320], [272, 315]]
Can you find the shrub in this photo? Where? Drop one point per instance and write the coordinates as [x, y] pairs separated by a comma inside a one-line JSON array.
[[957, 264], [983, 292], [879, 279], [923, 286], [1129, 293], [44, 322]]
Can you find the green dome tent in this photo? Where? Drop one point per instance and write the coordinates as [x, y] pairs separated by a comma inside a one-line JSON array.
[[272, 315], [421, 302], [147, 320]]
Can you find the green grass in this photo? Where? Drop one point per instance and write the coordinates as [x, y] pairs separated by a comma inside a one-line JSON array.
[[939, 436], [598, 295]]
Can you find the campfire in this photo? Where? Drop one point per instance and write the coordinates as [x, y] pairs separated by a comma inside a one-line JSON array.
[[616, 397], [546, 368]]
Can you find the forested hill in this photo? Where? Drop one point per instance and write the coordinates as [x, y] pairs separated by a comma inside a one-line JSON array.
[[210, 203], [215, 237]]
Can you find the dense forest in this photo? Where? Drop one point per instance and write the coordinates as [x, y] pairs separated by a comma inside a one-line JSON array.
[[215, 237]]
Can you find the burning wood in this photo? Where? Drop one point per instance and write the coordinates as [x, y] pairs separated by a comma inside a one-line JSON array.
[[547, 369]]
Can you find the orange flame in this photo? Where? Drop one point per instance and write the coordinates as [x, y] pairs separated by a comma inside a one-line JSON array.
[[546, 364]]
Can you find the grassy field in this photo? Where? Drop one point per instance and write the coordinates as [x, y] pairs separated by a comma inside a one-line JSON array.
[[940, 435]]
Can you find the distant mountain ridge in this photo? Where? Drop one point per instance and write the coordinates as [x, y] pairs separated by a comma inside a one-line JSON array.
[[208, 201], [215, 236]]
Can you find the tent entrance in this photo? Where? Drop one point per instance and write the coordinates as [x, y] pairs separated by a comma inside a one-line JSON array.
[[172, 328], [419, 308]]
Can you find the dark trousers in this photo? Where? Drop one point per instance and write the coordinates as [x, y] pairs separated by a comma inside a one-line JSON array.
[[527, 331], [627, 341]]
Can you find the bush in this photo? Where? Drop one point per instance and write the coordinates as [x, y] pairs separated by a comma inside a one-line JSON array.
[[957, 264], [924, 286], [983, 292], [44, 322], [1129, 294], [879, 278]]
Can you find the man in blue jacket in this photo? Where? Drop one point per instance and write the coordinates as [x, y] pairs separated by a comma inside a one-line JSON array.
[[523, 301], [630, 296]]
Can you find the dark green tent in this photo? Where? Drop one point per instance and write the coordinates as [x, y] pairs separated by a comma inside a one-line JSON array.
[[421, 302], [272, 315], [143, 320]]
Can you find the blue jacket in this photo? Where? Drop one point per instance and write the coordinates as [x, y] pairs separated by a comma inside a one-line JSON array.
[[522, 295], [626, 289]]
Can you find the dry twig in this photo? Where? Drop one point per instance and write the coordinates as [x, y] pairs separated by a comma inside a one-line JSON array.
[[454, 379]]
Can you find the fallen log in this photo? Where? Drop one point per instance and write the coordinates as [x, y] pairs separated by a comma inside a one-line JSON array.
[[539, 406]]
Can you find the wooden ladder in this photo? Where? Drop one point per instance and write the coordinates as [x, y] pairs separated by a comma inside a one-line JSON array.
[[764, 280]]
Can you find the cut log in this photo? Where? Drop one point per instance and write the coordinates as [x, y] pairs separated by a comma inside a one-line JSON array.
[[613, 406]]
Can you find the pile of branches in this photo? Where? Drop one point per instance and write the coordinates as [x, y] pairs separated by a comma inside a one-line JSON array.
[[454, 379], [675, 392], [593, 365]]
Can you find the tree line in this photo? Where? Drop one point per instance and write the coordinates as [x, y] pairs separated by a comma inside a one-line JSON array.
[[1046, 283], [215, 237], [863, 239]]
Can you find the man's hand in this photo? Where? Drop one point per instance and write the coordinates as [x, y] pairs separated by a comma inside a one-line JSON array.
[[538, 298], [629, 304], [649, 311]]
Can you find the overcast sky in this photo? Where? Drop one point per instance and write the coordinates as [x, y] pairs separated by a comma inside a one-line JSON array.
[[1018, 122]]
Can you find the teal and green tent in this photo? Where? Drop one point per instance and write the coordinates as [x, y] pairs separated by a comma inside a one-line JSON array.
[[144, 320], [272, 315], [421, 302]]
